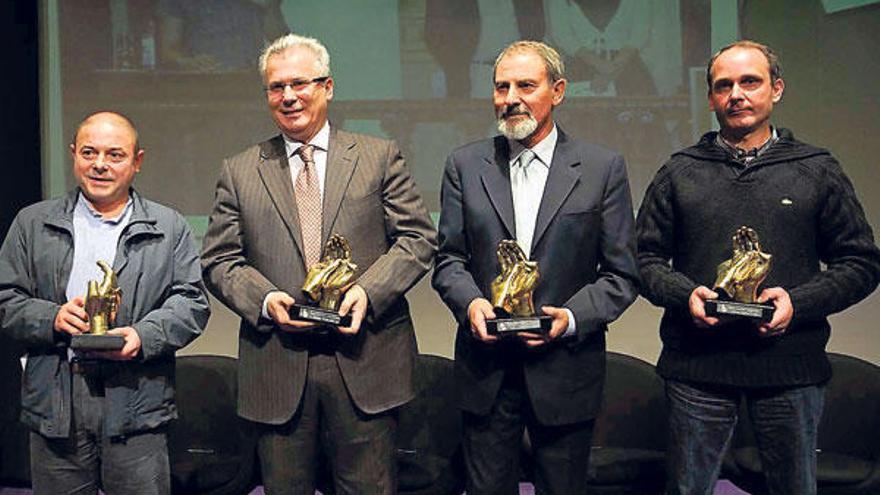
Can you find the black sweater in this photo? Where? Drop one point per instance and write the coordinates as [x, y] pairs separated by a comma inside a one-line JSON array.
[[805, 211]]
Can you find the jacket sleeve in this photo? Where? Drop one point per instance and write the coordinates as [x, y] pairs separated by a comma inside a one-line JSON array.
[[452, 278], [412, 234], [26, 318], [617, 283], [846, 246], [655, 232], [185, 310], [227, 271]]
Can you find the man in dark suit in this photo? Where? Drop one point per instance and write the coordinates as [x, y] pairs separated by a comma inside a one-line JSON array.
[[567, 204], [276, 205]]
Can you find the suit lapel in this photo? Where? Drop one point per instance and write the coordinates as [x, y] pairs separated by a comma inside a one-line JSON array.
[[563, 177], [496, 181], [274, 171], [341, 161]]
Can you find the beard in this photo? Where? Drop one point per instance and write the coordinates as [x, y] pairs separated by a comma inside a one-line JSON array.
[[517, 129]]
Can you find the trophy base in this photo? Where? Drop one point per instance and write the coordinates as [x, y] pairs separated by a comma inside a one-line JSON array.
[[90, 342], [319, 315], [761, 312], [509, 326]]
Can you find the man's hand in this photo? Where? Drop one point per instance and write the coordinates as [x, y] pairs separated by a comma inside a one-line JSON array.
[[278, 304], [697, 306], [781, 316], [129, 350], [355, 302], [72, 317], [557, 327], [478, 311]]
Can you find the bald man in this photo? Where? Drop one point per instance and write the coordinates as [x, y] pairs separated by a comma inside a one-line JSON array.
[[98, 419]]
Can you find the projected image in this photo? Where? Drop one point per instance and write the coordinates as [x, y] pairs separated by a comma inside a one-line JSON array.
[[417, 71], [216, 35]]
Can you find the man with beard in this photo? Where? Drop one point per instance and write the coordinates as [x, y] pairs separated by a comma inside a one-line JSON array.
[[567, 204], [802, 205]]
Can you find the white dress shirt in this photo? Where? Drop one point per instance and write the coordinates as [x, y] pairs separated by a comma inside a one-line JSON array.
[[321, 142], [527, 182]]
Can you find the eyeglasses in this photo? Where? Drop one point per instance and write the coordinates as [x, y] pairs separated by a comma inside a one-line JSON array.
[[299, 86]]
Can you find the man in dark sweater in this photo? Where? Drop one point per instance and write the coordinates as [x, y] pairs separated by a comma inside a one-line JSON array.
[[802, 205]]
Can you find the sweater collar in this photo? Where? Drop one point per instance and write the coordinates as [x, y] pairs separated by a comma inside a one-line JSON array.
[[786, 148]]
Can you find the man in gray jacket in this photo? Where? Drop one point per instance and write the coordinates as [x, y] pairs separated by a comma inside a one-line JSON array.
[[98, 420]]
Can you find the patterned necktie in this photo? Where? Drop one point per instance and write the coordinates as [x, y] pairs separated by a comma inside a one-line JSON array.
[[308, 204]]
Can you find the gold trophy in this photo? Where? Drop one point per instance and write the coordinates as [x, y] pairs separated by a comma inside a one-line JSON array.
[[326, 283], [512, 293], [102, 303], [738, 280]]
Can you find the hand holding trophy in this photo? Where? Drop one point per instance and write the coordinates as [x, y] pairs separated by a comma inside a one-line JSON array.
[[326, 283], [739, 277], [101, 303], [512, 293]]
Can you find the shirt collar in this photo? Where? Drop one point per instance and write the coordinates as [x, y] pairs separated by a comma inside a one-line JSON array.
[[321, 140], [543, 150], [746, 156], [86, 207]]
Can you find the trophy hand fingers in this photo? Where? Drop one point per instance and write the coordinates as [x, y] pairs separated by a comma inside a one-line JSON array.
[[336, 252], [318, 267], [506, 270], [504, 257]]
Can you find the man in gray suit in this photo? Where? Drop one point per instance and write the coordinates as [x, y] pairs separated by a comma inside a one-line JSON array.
[[276, 205], [567, 204]]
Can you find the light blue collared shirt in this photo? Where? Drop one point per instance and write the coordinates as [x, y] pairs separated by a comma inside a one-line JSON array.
[[94, 238]]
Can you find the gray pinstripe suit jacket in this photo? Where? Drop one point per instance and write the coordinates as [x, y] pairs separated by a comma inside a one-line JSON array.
[[254, 246]]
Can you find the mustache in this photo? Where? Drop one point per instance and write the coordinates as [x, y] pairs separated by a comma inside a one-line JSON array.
[[513, 110]]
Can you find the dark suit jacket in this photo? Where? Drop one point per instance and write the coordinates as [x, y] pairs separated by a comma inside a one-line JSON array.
[[585, 249], [254, 246]]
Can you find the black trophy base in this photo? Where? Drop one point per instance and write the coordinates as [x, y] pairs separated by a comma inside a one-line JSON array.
[[760, 312], [510, 326], [320, 316], [90, 342]]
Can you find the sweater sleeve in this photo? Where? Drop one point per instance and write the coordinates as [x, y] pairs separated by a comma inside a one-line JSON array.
[[655, 232], [846, 247]]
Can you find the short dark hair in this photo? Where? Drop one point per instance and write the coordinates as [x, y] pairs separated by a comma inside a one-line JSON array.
[[772, 59]]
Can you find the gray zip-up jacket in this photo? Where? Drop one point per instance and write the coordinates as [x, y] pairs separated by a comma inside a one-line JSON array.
[[163, 299]]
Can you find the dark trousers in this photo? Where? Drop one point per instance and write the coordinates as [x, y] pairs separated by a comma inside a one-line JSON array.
[[702, 419], [87, 461], [360, 447], [492, 445]]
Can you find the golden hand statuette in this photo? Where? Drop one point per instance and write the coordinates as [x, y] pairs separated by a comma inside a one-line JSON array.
[[512, 289], [102, 301], [740, 276], [329, 278]]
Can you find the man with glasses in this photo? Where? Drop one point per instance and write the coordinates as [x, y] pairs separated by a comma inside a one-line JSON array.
[[98, 419], [277, 203]]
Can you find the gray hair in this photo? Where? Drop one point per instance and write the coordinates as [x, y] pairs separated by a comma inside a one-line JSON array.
[[288, 41], [772, 59], [552, 61]]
